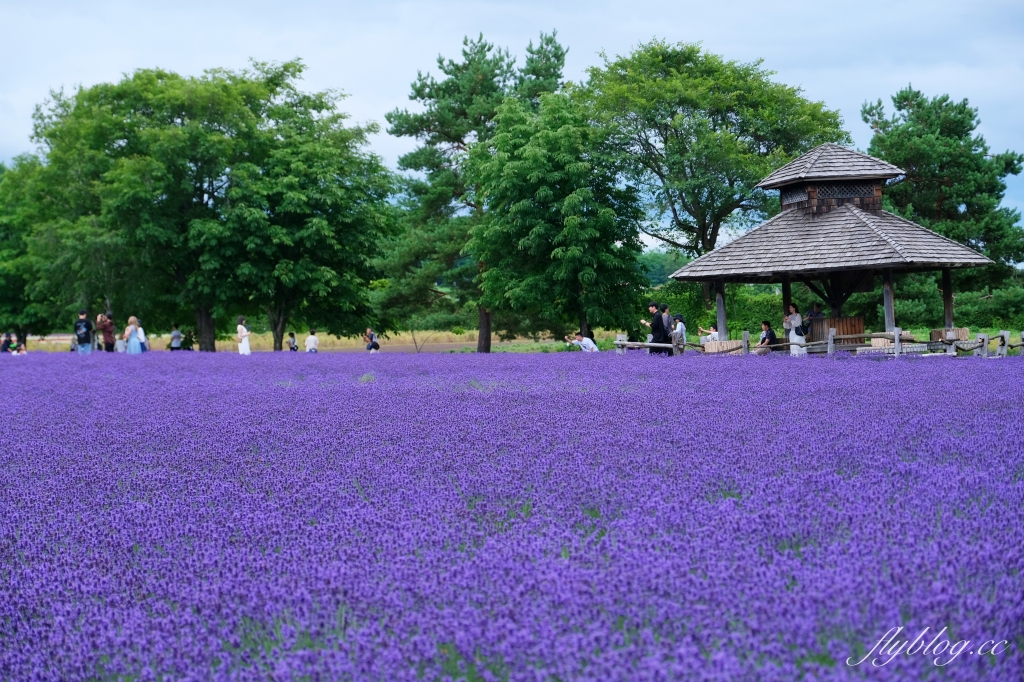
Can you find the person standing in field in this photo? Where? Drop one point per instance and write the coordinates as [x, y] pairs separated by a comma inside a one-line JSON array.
[[143, 341], [243, 337], [131, 337], [657, 326], [105, 326], [175, 337], [83, 333], [793, 322], [679, 333], [293, 345], [312, 343]]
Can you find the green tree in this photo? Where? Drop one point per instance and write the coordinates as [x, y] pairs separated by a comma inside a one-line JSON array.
[[18, 212], [560, 236], [430, 268], [659, 264], [953, 183], [700, 132], [148, 158], [307, 217]]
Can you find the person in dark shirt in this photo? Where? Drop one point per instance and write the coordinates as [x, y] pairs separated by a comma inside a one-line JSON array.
[[83, 333], [768, 339], [815, 311], [7, 344], [105, 326], [657, 326]]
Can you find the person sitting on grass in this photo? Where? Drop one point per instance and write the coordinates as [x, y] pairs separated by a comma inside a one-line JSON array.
[[312, 343], [768, 339], [585, 344]]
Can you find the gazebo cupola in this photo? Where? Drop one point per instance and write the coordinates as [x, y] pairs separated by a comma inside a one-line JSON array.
[[829, 177]]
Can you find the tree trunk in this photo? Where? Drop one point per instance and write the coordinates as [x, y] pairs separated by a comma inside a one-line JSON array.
[[22, 333], [205, 330], [705, 290], [278, 324], [483, 339], [585, 327]]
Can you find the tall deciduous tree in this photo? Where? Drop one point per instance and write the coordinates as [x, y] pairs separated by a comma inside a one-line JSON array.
[[560, 235], [19, 211], [308, 217], [458, 111], [158, 148], [700, 132], [953, 183]]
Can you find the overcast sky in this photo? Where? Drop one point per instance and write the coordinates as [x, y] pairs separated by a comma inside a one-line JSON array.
[[841, 53]]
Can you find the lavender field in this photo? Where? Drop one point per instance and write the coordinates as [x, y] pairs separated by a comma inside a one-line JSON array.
[[545, 517]]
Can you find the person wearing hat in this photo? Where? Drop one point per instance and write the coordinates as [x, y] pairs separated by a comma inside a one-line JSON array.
[[679, 333], [585, 344]]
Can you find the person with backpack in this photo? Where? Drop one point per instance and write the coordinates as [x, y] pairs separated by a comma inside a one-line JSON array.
[[372, 342], [794, 324], [312, 343], [83, 333]]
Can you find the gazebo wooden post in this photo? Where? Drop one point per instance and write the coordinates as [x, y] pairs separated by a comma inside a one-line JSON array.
[[887, 305], [947, 296], [787, 294], [723, 333]]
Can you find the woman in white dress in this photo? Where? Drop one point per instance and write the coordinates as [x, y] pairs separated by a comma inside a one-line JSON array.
[[792, 322], [243, 337]]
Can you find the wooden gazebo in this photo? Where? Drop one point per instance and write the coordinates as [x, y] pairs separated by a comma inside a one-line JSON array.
[[833, 236]]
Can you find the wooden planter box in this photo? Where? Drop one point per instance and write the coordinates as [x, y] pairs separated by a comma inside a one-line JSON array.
[[842, 325], [962, 334]]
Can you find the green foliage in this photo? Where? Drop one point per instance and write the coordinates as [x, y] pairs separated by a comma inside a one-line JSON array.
[[659, 264], [953, 184], [431, 279], [171, 195], [699, 132], [307, 216], [746, 306], [559, 239], [18, 185]]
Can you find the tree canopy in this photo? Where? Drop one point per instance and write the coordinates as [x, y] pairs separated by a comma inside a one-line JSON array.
[[429, 273], [953, 184], [559, 239], [201, 194], [699, 132]]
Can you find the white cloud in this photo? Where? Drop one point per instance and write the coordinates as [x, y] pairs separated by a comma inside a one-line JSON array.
[[840, 53]]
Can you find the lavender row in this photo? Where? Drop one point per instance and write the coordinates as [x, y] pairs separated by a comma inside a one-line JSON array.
[[562, 516]]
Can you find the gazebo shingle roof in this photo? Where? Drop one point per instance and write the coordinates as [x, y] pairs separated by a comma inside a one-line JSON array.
[[830, 162], [846, 238]]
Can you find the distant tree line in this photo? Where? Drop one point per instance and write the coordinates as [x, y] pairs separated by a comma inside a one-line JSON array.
[[521, 211]]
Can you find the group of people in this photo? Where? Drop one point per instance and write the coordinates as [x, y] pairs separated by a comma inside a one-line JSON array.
[[312, 342], [797, 325], [665, 327], [132, 340], [669, 329]]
